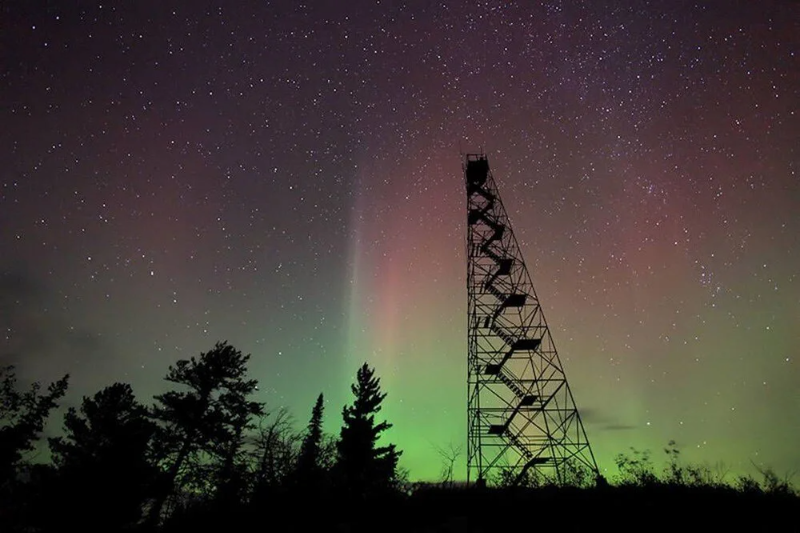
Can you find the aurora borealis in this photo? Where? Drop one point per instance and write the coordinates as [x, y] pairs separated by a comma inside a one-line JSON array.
[[287, 176]]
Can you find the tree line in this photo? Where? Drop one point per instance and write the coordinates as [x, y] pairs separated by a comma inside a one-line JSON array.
[[206, 456], [200, 451]]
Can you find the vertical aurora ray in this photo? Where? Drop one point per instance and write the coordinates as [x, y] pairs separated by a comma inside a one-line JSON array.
[[406, 262]]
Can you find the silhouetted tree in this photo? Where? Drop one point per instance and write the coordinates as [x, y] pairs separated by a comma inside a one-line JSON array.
[[328, 451], [449, 457], [636, 469], [103, 461], [230, 452], [309, 467], [275, 453], [22, 418], [203, 425], [362, 466]]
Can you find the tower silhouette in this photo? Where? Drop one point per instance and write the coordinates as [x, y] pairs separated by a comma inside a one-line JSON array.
[[520, 409]]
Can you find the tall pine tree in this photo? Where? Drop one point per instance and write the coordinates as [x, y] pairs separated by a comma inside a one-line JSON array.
[[363, 467], [204, 423]]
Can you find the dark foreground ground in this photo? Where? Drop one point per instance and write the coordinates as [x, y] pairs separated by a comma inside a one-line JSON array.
[[660, 508], [627, 508]]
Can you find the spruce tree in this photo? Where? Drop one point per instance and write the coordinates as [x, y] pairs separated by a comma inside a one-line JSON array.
[[363, 467], [309, 469]]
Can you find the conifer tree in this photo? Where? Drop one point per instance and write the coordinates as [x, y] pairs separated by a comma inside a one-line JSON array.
[[363, 467], [103, 461], [22, 418], [309, 469], [203, 423]]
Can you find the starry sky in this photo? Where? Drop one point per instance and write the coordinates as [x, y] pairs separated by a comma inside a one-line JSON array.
[[287, 176]]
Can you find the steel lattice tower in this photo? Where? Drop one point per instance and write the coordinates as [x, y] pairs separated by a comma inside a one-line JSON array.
[[521, 413]]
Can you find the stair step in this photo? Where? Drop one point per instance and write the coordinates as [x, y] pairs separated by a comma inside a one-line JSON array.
[[526, 344], [475, 215], [484, 248], [515, 300], [504, 267], [520, 447], [528, 400]]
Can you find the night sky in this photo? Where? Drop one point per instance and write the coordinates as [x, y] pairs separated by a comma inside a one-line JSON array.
[[287, 176]]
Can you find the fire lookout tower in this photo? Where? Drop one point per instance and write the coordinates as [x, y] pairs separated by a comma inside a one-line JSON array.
[[520, 409]]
